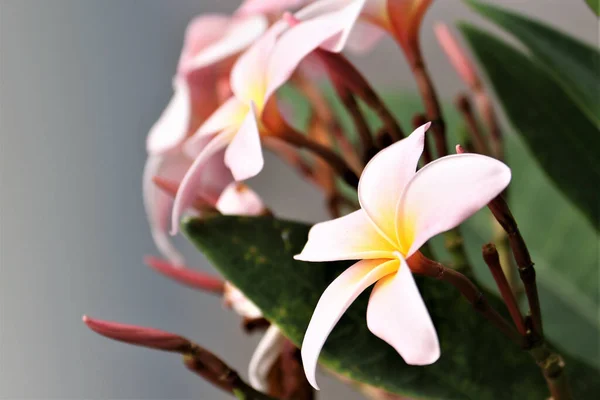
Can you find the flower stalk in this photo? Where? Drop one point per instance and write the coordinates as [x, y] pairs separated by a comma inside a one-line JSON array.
[[427, 267], [492, 259], [503, 215], [196, 358]]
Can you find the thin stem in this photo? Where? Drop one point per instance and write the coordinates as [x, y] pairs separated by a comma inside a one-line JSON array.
[[486, 109], [343, 70], [430, 100], [211, 367], [322, 112], [502, 213], [362, 127], [334, 160], [553, 369], [492, 259], [424, 266], [464, 106]]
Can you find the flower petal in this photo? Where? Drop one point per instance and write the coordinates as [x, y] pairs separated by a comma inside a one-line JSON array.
[[326, 29], [236, 300], [364, 37], [248, 76], [158, 204], [244, 155], [268, 350], [230, 115], [200, 33], [397, 314], [446, 192], [173, 125], [192, 181], [239, 199], [351, 237], [334, 302], [384, 179], [268, 6], [241, 33]]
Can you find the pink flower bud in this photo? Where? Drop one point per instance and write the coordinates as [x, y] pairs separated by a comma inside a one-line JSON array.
[[458, 58], [187, 276], [138, 335]]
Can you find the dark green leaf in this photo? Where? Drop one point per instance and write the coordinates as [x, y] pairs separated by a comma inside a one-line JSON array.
[[477, 362], [573, 64], [563, 140], [594, 5]]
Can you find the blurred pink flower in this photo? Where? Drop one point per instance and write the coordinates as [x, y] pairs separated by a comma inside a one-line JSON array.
[[360, 24], [400, 211], [457, 56], [237, 125], [215, 188]]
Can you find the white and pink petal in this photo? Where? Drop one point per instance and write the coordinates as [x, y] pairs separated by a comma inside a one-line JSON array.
[[397, 314], [446, 192], [351, 237], [334, 302]]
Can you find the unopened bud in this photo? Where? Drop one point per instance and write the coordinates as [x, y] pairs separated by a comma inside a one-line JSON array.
[[187, 276], [138, 335]]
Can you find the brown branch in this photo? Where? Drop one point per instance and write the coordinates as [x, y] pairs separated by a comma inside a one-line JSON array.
[[337, 65], [196, 358], [424, 266], [432, 105], [360, 122], [492, 259], [464, 107], [502, 213], [335, 161], [552, 366]]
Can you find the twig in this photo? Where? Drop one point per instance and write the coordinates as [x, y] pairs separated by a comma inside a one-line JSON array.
[[362, 128], [344, 71], [553, 369], [464, 106], [430, 100], [422, 265], [502, 213], [334, 160], [195, 357], [492, 259]]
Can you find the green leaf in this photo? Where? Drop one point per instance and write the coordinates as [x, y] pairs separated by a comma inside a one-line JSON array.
[[477, 361], [563, 140], [573, 64], [594, 5]]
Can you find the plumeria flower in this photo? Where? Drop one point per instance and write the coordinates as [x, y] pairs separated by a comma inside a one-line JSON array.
[[216, 189], [360, 24], [211, 41], [237, 125], [400, 210]]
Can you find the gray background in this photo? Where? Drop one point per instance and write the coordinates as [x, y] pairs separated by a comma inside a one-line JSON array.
[[81, 82]]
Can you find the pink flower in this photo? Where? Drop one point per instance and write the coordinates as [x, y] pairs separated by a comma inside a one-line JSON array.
[[215, 187], [211, 42], [237, 125], [359, 24], [400, 211]]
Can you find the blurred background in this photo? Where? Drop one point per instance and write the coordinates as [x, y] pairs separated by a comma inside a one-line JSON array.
[[81, 82]]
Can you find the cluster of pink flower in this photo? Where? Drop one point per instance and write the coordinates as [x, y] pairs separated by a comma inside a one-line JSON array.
[[209, 139]]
